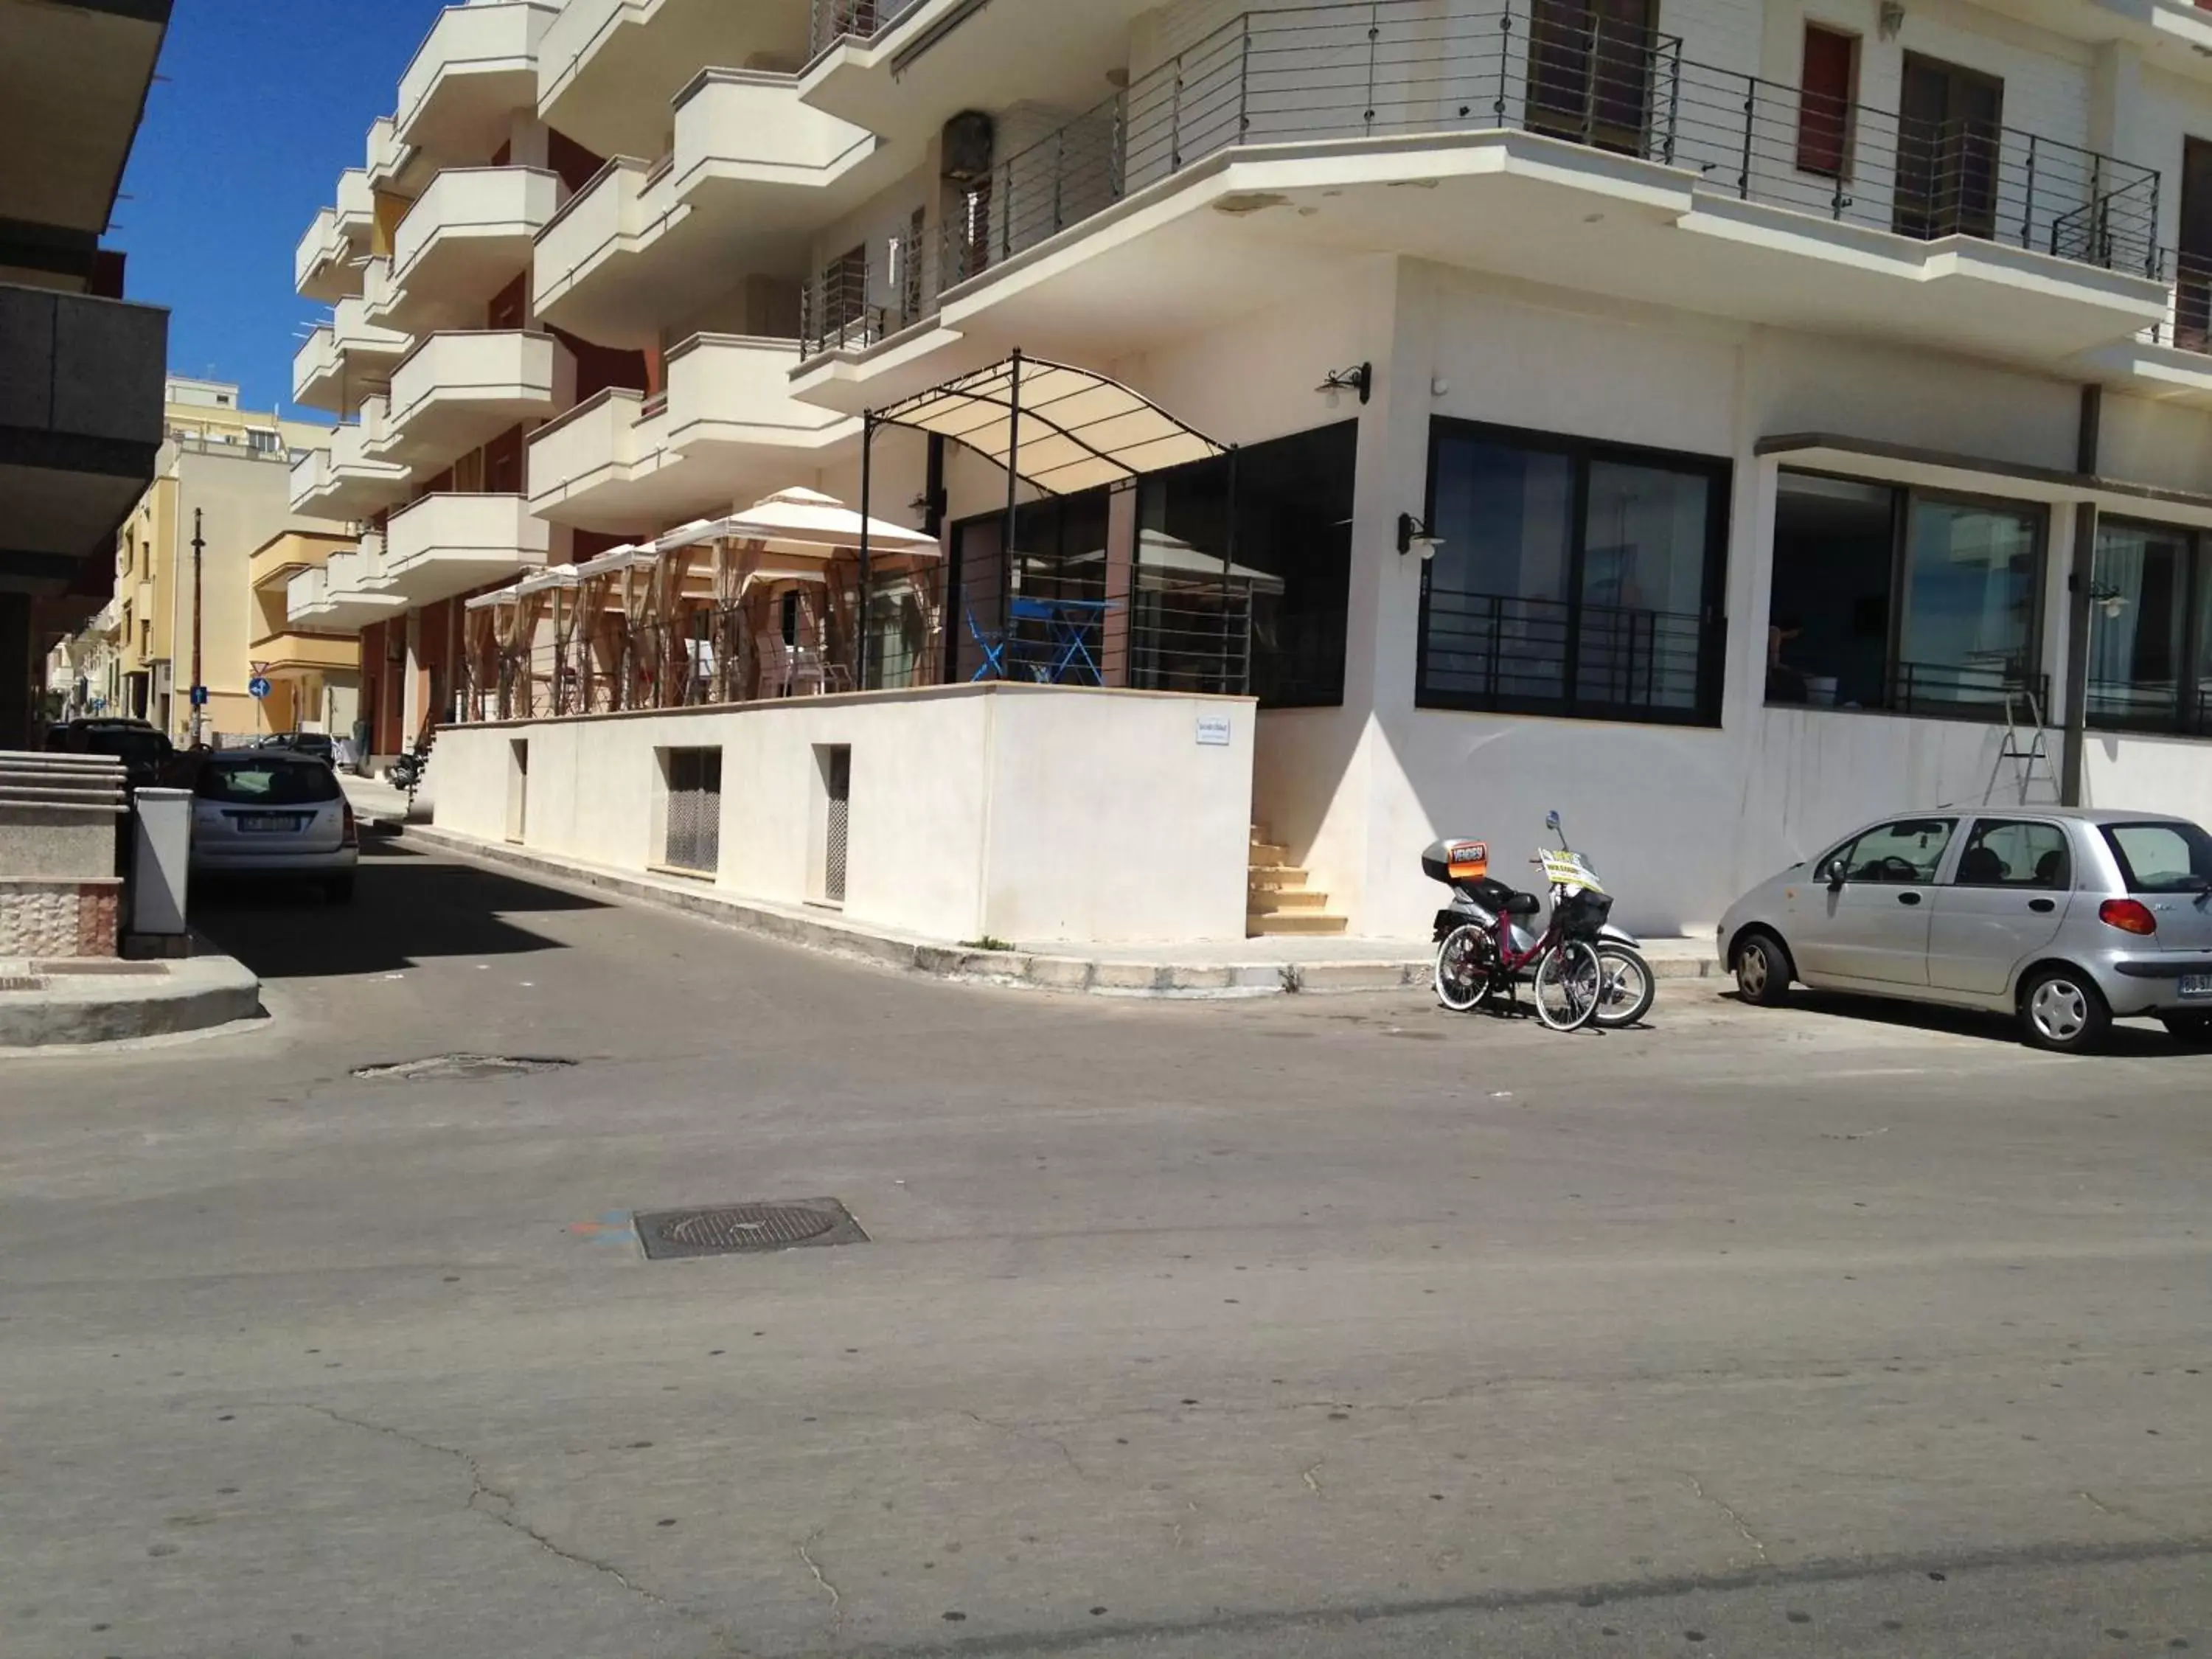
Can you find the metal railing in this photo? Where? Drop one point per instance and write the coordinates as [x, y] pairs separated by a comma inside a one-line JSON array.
[[2189, 325], [1394, 67], [1932, 688], [833, 21], [1509, 652], [864, 298], [2162, 706]]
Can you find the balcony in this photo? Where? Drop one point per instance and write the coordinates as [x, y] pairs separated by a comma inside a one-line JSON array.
[[283, 557], [728, 429], [1287, 144], [346, 359], [393, 167], [443, 545], [478, 66], [468, 236], [454, 392], [901, 68], [345, 481], [347, 594], [80, 430], [326, 266], [608, 69], [289, 652], [752, 173]]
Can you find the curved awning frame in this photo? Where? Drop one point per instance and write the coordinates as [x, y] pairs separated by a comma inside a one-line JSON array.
[[1060, 429]]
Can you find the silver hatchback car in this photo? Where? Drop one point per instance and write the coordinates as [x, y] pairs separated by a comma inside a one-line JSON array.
[[270, 814], [2064, 918]]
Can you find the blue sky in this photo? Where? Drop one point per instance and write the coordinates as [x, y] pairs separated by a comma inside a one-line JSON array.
[[264, 103]]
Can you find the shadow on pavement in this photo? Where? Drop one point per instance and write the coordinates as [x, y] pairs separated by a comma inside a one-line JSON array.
[[405, 907], [2129, 1039]]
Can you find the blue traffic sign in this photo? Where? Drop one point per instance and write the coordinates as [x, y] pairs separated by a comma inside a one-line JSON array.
[[259, 686], [199, 697]]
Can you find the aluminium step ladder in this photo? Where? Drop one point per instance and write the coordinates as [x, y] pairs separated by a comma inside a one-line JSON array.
[[2026, 745]]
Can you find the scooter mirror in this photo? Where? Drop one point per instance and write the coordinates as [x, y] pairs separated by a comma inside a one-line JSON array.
[[1552, 821]]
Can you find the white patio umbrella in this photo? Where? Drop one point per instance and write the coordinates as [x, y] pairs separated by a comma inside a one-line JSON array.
[[806, 524]]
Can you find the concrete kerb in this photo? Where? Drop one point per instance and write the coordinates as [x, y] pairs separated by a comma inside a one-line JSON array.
[[1115, 975], [75, 1009]]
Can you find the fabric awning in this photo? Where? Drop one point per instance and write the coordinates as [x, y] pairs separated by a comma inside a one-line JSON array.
[[1076, 430], [804, 524]]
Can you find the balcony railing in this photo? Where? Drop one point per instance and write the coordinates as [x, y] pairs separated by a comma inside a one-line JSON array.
[[1519, 655], [862, 20], [1396, 67], [859, 302], [2152, 705]]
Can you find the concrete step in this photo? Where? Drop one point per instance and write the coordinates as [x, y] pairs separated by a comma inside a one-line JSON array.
[[1273, 876], [1269, 852], [1276, 923], [1262, 901]]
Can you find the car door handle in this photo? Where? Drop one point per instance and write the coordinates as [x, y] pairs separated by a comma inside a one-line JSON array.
[[1908, 899], [2043, 907]]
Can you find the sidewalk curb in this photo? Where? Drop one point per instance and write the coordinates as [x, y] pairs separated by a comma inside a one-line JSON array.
[[197, 992], [1015, 969]]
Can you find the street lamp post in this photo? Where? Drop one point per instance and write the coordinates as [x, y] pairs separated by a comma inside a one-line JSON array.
[[199, 549]]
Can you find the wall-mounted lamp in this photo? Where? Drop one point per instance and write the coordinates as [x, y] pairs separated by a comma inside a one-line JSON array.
[[1415, 537], [1361, 379], [2114, 599], [1890, 23]]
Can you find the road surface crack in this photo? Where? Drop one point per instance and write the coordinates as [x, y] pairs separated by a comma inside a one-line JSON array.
[[483, 1495], [1736, 1519], [1031, 1431], [1307, 1475], [2128, 1515], [837, 1597]]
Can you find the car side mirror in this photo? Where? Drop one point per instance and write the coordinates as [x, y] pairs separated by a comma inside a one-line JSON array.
[[1832, 873]]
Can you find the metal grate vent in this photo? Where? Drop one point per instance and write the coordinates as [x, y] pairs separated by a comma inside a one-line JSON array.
[[694, 810], [839, 821], [748, 1228]]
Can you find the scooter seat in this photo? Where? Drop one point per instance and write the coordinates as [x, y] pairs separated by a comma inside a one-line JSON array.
[[1495, 896]]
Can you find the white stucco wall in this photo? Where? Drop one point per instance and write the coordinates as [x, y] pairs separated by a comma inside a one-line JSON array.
[[1028, 813]]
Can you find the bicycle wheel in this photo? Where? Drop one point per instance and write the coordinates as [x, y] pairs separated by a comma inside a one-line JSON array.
[[1567, 985], [1627, 990], [1463, 963]]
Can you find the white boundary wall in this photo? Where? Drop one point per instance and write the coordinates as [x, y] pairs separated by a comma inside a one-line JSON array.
[[1032, 814]]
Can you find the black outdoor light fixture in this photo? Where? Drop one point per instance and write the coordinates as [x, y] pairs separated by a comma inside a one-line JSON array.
[[1361, 379], [1413, 536]]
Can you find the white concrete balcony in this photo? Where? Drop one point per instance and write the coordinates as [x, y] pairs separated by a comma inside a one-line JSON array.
[[468, 236], [608, 69], [443, 545], [477, 68], [1268, 155], [726, 431], [394, 169], [327, 264], [455, 391], [353, 594], [347, 481], [753, 174], [866, 68], [345, 360]]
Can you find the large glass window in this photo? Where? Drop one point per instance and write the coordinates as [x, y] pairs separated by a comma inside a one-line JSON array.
[[1261, 600], [1572, 578], [1886, 598], [2150, 631]]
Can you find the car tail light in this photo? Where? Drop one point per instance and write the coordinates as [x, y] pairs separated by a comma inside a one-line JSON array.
[[352, 836], [2129, 915]]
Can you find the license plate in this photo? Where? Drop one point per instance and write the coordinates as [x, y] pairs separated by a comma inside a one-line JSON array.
[[2196, 985], [265, 824]]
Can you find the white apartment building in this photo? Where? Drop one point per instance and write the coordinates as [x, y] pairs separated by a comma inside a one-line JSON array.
[[1715, 419]]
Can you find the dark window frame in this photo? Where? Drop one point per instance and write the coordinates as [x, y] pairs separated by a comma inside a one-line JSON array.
[[2191, 714], [1719, 473], [1903, 498]]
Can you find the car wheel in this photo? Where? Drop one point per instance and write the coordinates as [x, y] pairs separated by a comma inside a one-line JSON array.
[[2195, 1030], [2061, 1010], [339, 889], [1764, 971]]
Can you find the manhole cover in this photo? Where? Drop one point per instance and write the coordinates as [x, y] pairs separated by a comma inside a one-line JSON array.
[[744, 1228], [443, 1067]]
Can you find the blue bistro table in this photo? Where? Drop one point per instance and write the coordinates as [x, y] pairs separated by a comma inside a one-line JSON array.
[[1064, 656]]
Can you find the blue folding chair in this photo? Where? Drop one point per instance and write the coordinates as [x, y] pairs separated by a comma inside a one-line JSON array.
[[992, 644]]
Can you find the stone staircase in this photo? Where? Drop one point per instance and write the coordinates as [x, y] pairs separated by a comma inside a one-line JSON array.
[[1277, 900]]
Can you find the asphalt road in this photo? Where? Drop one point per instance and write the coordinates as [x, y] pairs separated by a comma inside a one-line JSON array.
[[1302, 1327]]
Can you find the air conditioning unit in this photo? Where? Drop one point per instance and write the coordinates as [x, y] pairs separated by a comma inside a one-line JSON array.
[[969, 140]]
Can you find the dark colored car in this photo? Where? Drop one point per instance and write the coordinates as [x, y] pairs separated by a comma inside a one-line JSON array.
[[146, 754], [318, 744]]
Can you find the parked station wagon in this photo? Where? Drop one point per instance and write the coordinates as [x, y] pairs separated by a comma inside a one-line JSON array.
[[2063, 918]]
